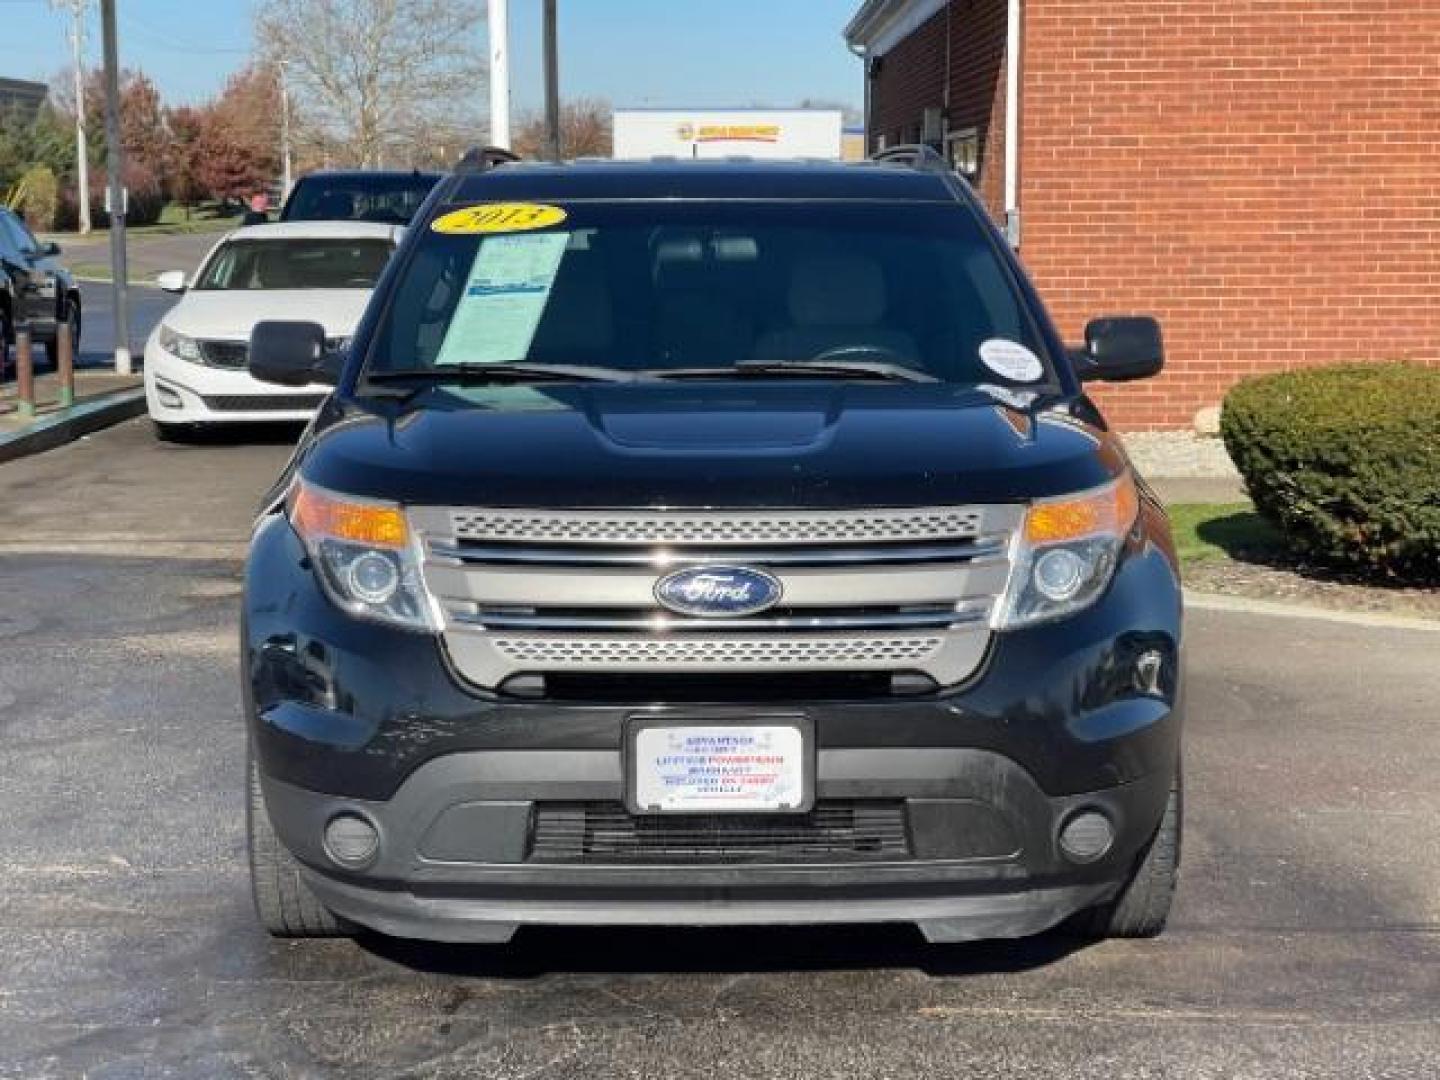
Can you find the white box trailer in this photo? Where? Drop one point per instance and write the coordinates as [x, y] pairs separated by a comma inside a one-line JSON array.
[[720, 133]]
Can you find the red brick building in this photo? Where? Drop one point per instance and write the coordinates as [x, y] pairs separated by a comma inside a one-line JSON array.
[[1263, 175]]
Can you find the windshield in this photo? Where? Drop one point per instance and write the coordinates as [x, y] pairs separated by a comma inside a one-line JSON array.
[[296, 264], [675, 286], [391, 200]]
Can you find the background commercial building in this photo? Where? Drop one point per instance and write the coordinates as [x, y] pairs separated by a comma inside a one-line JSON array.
[[719, 133], [20, 98], [1265, 177]]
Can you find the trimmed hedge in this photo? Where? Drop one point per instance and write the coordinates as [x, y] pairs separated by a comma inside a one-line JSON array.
[[1346, 462], [39, 198]]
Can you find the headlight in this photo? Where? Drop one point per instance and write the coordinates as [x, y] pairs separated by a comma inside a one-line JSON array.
[[1065, 553], [186, 348], [365, 554]]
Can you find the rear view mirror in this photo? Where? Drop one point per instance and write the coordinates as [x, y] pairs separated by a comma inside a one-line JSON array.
[[1120, 349], [171, 281], [50, 248], [291, 354]]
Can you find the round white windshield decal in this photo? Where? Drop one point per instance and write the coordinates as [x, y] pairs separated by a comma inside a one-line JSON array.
[[1011, 360]]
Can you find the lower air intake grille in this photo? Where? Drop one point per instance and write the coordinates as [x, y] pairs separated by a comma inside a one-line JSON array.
[[263, 402], [602, 832]]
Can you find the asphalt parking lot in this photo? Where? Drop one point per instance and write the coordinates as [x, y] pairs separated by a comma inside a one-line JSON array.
[[97, 336], [1305, 942]]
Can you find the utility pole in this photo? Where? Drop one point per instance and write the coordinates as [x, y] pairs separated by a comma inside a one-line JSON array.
[[498, 29], [552, 85], [82, 159], [115, 166], [285, 176]]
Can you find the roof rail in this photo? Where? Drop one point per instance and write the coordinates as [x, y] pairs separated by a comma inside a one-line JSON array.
[[485, 158], [920, 156]]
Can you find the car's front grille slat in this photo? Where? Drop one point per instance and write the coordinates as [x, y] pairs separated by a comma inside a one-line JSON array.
[[571, 652], [800, 555], [838, 831], [651, 622], [717, 528]]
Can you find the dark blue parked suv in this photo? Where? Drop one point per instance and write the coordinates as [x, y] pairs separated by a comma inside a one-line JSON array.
[[711, 543]]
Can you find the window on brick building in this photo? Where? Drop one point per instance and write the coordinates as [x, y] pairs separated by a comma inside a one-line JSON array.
[[962, 150]]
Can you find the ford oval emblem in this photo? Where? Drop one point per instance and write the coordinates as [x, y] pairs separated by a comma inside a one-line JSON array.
[[718, 591]]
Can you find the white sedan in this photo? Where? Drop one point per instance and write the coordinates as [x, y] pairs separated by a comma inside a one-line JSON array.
[[196, 359]]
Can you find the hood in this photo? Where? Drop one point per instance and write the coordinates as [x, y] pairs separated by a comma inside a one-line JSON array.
[[231, 314], [701, 445]]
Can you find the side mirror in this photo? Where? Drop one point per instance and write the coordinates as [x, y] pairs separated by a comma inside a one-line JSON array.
[[50, 248], [171, 281], [1121, 349], [291, 354]]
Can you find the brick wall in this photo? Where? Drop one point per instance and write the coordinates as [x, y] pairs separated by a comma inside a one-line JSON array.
[[913, 77], [1264, 175]]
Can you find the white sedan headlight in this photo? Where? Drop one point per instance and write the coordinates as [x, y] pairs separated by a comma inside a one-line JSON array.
[[181, 345]]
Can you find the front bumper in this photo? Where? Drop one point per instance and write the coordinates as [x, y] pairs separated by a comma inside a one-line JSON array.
[[456, 860], [179, 392], [352, 717]]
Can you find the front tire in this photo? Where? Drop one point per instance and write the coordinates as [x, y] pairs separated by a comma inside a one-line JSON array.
[[284, 903], [1143, 905]]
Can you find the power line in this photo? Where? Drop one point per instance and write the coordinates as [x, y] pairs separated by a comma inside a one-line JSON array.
[[163, 40]]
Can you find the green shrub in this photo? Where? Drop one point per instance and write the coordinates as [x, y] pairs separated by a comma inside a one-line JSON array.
[[39, 198], [1346, 462]]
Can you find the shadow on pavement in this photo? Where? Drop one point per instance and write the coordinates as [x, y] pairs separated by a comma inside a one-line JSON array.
[[635, 950], [238, 434]]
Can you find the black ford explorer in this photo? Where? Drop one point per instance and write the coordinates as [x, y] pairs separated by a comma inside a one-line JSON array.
[[711, 543]]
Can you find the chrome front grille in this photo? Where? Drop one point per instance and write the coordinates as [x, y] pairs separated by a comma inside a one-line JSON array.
[[878, 590], [236, 354], [225, 354], [665, 527]]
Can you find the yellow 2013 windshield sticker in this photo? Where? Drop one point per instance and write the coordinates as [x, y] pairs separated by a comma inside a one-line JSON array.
[[502, 217]]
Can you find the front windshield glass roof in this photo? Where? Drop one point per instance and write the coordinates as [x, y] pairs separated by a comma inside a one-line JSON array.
[[296, 264], [674, 286]]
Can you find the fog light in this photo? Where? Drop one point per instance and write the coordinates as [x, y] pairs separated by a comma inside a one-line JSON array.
[[351, 841], [169, 398], [1059, 574], [374, 577], [1087, 836]]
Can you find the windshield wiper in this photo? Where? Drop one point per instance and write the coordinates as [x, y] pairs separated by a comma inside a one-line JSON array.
[[789, 369], [506, 373]]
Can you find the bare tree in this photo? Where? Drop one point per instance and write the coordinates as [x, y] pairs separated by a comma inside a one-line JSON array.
[[378, 79], [586, 130]]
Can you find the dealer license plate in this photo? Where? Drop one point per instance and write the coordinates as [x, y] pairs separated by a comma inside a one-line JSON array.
[[719, 768]]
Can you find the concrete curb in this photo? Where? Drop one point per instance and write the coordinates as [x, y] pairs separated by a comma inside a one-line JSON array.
[[67, 425], [1240, 605]]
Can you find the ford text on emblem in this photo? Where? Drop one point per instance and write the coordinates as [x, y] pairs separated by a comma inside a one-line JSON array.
[[718, 591]]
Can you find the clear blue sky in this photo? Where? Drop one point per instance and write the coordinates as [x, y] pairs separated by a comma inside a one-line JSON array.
[[634, 52]]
